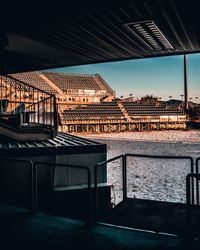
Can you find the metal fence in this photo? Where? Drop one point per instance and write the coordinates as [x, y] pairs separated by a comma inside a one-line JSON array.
[[193, 210], [190, 159], [26, 103], [33, 177], [34, 165], [193, 192]]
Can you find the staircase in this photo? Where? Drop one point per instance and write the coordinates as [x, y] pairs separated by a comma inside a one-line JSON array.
[[103, 85], [54, 86], [124, 111]]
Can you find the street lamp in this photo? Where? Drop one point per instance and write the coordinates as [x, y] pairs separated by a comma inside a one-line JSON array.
[[182, 101], [182, 97], [170, 97]]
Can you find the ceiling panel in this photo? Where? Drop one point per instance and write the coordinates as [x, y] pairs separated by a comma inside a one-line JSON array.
[[92, 32]]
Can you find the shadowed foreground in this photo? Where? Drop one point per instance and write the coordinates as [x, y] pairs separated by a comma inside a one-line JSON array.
[[21, 230]]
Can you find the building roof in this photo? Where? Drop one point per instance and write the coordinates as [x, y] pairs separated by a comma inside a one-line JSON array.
[[64, 81]]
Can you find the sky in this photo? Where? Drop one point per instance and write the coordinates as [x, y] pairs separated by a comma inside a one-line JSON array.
[[158, 76]]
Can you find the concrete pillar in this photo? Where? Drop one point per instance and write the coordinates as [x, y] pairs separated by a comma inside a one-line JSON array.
[[185, 84]]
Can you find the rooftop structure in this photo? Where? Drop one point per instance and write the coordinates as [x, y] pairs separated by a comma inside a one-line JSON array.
[[69, 88]]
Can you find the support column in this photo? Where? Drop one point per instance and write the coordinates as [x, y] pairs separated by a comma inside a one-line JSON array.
[[185, 84]]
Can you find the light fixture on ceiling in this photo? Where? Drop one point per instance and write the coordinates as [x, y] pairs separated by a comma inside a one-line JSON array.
[[150, 35]]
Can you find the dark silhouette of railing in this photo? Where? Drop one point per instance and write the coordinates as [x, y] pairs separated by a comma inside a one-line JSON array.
[[103, 164], [191, 204], [28, 104], [34, 165], [192, 169], [31, 165], [55, 165], [190, 193]]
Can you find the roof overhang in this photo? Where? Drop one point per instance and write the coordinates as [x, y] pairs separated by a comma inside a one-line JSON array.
[[97, 31]]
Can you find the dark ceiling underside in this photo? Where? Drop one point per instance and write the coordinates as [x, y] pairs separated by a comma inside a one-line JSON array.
[[87, 32]]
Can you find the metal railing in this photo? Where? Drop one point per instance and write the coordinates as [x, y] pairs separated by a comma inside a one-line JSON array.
[[36, 105], [124, 174], [197, 183], [54, 165], [103, 164], [33, 181], [190, 204], [192, 166], [43, 112]]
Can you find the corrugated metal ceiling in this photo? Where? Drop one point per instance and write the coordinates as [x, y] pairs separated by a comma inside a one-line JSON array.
[[87, 32]]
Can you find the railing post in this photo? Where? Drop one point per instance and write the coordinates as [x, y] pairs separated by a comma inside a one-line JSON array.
[[197, 181], [55, 114], [90, 217], [103, 163], [188, 203], [124, 176], [95, 215], [192, 171], [34, 189]]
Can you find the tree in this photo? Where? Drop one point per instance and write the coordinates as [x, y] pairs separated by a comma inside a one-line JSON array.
[[149, 99], [195, 112]]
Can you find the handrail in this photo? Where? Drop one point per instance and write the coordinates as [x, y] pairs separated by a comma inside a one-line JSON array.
[[34, 206], [166, 157], [19, 92], [51, 164], [30, 86], [197, 184], [190, 177], [36, 103], [102, 163], [48, 103]]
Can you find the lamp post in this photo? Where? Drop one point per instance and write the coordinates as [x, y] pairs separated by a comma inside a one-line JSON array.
[[170, 97], [182, 97]]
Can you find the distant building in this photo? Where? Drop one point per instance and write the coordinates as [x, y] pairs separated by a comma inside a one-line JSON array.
[[70, 89]]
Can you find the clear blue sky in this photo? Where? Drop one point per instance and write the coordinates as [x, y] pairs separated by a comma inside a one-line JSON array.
[[160, 76]]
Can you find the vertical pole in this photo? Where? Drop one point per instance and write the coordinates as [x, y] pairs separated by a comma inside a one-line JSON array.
[[34, 208], [185, 84], [188, 203], [124, 175], [55, 115], [197, 181], [95, 195]]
